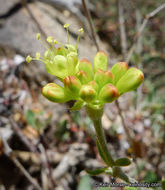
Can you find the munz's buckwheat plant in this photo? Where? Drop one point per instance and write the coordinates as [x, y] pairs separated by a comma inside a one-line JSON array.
[[89, 85]]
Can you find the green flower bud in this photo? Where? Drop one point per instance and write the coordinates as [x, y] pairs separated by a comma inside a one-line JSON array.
[[108, 93], [86, 66], [100, 61], [72, 86], [28, 59], [103, 77], [57, 67], [54, 93], [118, 70], [87, 93], [130, 80], [72, 60], [83, 77]]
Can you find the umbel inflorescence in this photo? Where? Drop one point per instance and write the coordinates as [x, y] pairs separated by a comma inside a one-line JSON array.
[[90, 85]]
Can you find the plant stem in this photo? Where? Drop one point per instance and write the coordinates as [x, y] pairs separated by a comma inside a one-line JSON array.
[[96, 115], [102, 141]]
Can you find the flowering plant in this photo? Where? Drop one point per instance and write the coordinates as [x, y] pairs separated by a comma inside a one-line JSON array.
[[90, 86]]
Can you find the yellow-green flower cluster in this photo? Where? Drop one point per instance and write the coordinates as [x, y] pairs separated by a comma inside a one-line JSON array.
[[88, 85]]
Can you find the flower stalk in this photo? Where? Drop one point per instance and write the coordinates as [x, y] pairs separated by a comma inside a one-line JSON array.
[[95, 116]]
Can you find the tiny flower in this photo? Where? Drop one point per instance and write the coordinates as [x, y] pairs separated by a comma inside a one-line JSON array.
[[47, 55], [118, 70], [49, 39], [54, 93], [86, 66], [72, 86], [28, 59], [38, 36], [66, 25], [130, 80], [81, 30], [55, 42], [108, 93], [38, 55], [88, 93], [83, 77], [100, 61]]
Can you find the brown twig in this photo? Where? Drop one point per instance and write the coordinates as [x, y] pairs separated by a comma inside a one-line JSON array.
[[91, 25], [47, 165], [32, 148], [8, 151], [124, 53], [141, 29], [123, 37], [22, 137]]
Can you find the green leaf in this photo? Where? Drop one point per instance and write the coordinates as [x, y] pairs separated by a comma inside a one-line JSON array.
[[150, 177], [96, 171], [30, 118], [77, 105], [122, 162], [39, 125], [163, 184], [85, 183], [117, 172]]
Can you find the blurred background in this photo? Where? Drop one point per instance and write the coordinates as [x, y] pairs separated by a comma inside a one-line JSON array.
[[45, 146]]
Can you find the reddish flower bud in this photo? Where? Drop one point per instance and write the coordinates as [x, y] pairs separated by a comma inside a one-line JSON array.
[[108, 93], [130, 81], [118, 70], [88, 93], [103, 77], [54, 93], [86, 66], [83, 77], [72, 85], [100, 61], [94, 85]]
